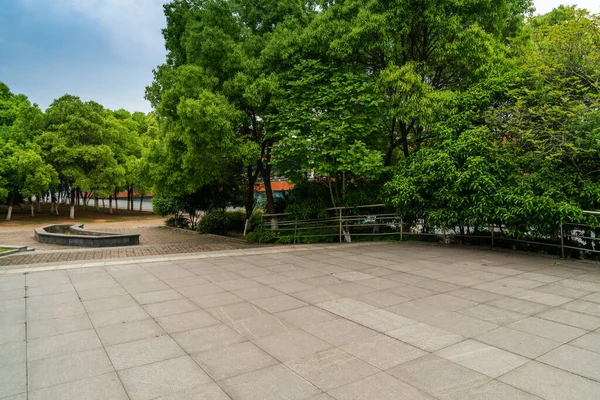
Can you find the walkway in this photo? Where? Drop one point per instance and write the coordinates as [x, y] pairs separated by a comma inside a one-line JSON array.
[[154, 241], [370, 321]]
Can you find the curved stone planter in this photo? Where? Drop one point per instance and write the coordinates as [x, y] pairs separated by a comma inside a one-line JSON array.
[[75, 235]]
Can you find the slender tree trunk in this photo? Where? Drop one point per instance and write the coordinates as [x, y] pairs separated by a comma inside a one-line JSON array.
[[266, 175], [249, 197], [10, 207], [97, 203], [103, 204], [116, 201], [331, 192], [31, 207], [141, 202], [72, 209], [39, 204], [110, 207], [132, 206]]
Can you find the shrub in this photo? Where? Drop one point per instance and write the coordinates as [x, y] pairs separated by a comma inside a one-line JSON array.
[[214, 222]]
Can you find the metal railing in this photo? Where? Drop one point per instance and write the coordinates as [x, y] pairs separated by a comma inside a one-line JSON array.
[[345, 224]]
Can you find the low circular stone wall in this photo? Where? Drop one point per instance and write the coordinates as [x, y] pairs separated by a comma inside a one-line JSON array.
[[75, 235]]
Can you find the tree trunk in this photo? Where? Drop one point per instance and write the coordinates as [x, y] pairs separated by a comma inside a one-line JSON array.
[[39, 204], [116, 201], [249, 206], [131, 199], [141, 202], [97, 204], [110, 207], [9, 213], [103, 204], [266, 175], [31, 207], [72, 209]]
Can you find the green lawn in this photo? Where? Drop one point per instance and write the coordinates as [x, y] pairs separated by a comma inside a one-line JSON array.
[[2, 249]]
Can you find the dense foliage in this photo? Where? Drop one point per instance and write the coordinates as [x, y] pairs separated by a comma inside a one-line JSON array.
[[456, 112]]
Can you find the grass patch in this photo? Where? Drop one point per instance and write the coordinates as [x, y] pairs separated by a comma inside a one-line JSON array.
[[3, 249]]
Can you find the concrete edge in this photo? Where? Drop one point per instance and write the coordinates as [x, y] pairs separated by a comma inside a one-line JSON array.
[[15, 249]]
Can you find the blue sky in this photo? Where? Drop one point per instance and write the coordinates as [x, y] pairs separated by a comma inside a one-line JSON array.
[[101, 50]]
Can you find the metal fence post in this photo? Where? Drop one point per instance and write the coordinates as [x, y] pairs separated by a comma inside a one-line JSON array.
[[401, 229], [340, 225], [295, 230], [562, 242]]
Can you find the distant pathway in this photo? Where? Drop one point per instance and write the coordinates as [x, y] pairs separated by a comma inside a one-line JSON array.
[[154, 240]]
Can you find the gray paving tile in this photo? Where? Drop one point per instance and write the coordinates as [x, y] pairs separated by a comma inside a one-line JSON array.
[[345, 307], [548, 329], [200, 290], [129, 331], [591, 342], [279, 303], [492, 314], [482, 358], [306, 316], [340, 331], [582, 306], [12, 353], [542, 297], [448, 302], [518, 342], [187, 321], [271, 383], [263, 325], [291, 345], [317, 295], [102, 293], [551, 383], [236, 312], [331, 368], [163, 378], [382, 320], [68, 368], [12, 380], [480, 296], [233, 360], [12, 333], [157, 296], [109, 303], [210, 391], [57, 326], [216, 300], [426, 337], [493, 390], [55, 311], [380, 386], [462, 324], [142, 352], [52, 299], [58, 345], [383, 351], [207, 338], [572, 318], [103, 387], [519, 306], [118, 316], [381, 299], [437, 376], [170, 307], [574, 359]]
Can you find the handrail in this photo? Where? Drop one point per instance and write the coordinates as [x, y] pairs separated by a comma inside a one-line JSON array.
[[390, 224]]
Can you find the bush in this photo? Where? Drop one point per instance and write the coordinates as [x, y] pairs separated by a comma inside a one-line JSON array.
[[236, 220], [178, 222], [261, 236], [214, 222]]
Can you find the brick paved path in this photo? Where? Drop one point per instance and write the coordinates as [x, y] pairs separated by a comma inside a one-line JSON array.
[[153, 241]]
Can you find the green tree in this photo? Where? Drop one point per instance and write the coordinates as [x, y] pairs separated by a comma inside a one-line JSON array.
[[326, 123], [81, 145]]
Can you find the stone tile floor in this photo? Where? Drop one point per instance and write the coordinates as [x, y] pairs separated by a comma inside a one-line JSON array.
[[377, 321]]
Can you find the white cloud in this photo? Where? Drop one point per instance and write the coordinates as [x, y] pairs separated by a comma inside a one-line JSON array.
[[133, 27], [544, 6]]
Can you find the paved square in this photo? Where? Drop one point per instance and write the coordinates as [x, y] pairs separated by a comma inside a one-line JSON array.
[[361, 321]]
